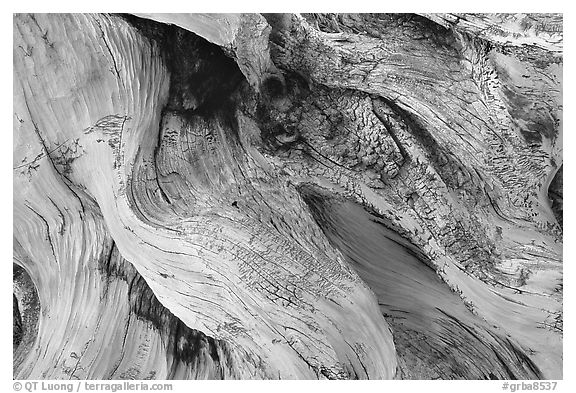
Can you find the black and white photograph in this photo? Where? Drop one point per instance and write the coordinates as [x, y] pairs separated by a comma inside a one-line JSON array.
[[287, 196]]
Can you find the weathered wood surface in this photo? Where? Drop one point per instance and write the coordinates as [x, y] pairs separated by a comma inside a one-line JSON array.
[[195, 196]]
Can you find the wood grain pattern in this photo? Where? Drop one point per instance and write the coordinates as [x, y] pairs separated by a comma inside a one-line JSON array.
[[309, 196]]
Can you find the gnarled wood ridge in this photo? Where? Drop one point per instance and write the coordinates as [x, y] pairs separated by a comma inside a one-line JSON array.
[[287, 196]]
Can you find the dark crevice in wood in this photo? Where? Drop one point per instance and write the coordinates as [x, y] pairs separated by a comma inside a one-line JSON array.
[[202, 76], [17, 330], [188, 346], [27, 309], [555, 194]]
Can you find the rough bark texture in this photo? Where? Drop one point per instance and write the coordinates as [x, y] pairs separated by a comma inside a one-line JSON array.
[[288, 196]]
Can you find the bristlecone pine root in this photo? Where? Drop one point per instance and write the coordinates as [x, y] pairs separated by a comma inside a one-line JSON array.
[[245, 196]]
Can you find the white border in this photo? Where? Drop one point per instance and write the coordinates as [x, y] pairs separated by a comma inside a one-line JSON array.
[[297, 6]]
